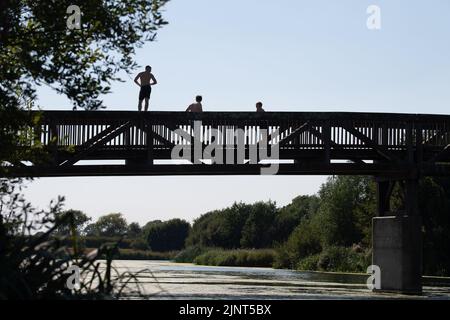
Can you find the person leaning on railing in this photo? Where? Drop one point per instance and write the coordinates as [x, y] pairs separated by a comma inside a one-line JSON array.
[[259, 107], [263, 127], [197, 106]]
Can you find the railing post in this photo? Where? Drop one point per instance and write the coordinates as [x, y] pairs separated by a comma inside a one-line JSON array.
[[409, 142], [149, 129], [376, 133], [53, 141], [127, 139], [327, 137], [419, 145], [192, 133], [37, 134], [240, 144], [384, 135]]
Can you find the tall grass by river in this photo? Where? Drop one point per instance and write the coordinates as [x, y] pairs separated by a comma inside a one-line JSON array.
[[334, 259], [232, 258], [133, 254]]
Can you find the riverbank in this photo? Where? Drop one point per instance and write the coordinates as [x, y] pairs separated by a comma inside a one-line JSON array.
[[133, 254], [257, 259], [332, 259]]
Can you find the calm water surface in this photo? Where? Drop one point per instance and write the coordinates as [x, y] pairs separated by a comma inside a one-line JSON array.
[[167, 280]]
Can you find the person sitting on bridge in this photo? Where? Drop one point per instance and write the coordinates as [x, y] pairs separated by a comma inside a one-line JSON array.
[[259, 107], [147, 80], [197, 106]]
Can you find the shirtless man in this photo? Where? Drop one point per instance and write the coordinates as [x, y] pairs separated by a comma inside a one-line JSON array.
[[147, 80], [197, 106], [259, 107]]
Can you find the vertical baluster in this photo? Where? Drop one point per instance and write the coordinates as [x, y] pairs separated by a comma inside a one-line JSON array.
[[150, 154], [419, 144], [409, 142], [326, 127]]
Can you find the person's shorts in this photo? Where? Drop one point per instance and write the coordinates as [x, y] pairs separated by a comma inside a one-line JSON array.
[[145, 92]]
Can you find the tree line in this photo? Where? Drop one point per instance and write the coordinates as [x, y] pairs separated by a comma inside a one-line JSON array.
[[331, 230], [157, 235]]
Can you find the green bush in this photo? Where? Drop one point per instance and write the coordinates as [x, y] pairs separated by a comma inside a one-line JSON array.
[[337, 259], [345, 259], [282, 258], [131, 254], [209, 258], [237, 258], [309, 263], [261, 258], [303, 242], [139, 244], [189, 254]]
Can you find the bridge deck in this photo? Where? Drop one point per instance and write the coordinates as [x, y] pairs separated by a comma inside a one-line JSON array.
[[83, 143]]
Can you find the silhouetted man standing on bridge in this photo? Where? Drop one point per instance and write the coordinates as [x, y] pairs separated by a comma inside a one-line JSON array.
[[147, 80]]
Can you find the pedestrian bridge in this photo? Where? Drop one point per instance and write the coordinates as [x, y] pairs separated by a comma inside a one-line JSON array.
[[99, 143], [397, 149]]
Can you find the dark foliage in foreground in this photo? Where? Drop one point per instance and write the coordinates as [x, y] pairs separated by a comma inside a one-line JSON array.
[[34, 264]]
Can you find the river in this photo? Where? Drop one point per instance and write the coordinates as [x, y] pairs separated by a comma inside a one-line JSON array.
[[168, 280]]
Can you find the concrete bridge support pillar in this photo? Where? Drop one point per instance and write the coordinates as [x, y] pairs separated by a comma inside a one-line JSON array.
[[397, 250], [397, 244]]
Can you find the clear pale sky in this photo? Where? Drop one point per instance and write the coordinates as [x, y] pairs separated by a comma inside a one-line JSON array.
[[315, 55]]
